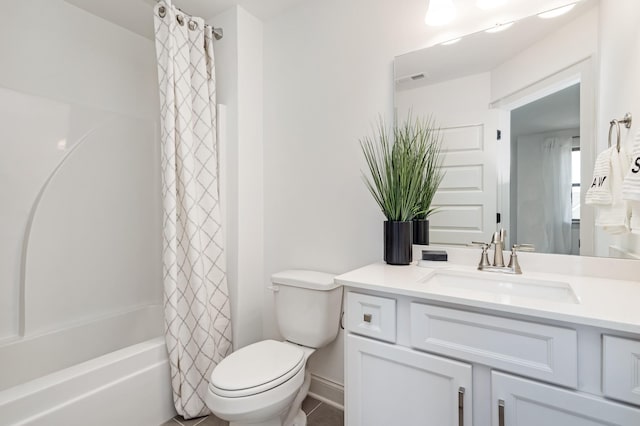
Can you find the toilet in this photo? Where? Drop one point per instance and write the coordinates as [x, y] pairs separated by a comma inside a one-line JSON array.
[[264, 384]]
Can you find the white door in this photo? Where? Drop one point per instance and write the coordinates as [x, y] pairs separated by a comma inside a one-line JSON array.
[[468, 194], [392, 385], [520, 402], [467, 197]]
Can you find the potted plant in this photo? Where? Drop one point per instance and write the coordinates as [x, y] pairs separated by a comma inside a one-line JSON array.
[[398, 159], [431, 179]]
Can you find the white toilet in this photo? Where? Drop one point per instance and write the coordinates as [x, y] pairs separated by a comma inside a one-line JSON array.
[[263, 384]]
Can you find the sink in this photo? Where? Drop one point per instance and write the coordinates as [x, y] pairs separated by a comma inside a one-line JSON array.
[[503, 287]]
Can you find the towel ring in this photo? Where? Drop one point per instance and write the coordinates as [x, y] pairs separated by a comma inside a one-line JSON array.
[[627, 123]]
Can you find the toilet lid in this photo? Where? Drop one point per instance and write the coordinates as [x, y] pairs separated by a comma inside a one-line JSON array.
[[256, 368]]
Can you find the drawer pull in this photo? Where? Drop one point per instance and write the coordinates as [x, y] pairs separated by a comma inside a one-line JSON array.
[[501, 412], [460, 406], [367, 318]]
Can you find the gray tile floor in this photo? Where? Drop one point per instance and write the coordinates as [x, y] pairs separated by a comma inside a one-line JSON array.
[[318, 414]]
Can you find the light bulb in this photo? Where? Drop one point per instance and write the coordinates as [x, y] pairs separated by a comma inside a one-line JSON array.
[[440, 12], [556, 12]]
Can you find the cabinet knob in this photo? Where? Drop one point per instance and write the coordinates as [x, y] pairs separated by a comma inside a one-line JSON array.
[[367, 318]]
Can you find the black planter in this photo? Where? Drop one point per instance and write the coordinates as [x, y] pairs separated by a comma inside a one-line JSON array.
[[421, 232], [397, 242]]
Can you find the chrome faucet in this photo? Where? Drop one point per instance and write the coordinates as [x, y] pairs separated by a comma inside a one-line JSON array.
[[497, 241], [498, 247]]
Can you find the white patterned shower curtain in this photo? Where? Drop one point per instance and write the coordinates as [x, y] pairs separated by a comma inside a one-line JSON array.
[[197, 311]]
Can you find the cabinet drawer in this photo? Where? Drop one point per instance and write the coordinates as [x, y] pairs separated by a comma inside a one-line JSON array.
[[371, 316], [621, 369], [530, 349]]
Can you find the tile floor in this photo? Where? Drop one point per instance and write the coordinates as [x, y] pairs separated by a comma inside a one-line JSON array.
[[318, 414]]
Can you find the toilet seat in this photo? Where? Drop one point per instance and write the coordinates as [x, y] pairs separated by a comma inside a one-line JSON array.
[[256, 368]]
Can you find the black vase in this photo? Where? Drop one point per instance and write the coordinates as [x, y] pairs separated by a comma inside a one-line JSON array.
[[421, 232], [397, 242]]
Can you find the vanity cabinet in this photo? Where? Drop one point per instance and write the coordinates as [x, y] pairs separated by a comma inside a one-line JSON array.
[[393, 385], [522, 402], [412, 362]]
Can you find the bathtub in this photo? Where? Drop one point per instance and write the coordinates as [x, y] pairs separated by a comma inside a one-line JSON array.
[[109, 371]]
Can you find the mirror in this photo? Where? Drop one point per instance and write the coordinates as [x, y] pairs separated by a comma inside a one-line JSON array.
[[516, 112]]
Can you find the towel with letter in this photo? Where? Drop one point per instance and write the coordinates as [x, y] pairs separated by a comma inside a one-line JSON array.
[[631, 186], [606, 191]]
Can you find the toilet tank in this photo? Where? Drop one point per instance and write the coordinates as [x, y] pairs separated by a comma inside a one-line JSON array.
[[308, 306]]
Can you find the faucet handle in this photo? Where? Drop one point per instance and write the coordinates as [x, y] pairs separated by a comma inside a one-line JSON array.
[[514, 265], [523, 247], [484, 257]]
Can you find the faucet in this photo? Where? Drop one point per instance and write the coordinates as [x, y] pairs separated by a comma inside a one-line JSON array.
[[497, 241], [498, 245]]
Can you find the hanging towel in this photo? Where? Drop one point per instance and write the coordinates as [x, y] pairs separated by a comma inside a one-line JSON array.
[[631, 184], [600, 191], [614, 218], [634, 206]]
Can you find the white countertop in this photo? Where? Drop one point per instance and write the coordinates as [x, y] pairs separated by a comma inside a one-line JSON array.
[[604, 303]]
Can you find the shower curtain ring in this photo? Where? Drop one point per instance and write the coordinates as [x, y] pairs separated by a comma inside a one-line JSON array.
[[162, 11], [180, 19], [193, 25]]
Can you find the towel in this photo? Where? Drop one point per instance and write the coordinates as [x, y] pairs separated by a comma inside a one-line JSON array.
[[614, 218], [635, 216], [631, 184], [600, 191]]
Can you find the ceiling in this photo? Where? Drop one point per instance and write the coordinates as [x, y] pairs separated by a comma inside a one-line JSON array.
[[136, 15], [558, 111]]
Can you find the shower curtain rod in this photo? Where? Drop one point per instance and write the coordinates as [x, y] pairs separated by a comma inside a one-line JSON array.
[[217, 32]]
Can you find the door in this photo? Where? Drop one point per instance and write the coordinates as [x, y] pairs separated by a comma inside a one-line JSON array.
[[393, 385], [520, 402], [467, 198]]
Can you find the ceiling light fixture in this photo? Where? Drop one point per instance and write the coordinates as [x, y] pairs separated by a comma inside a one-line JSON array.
[[556, 12], [440, 12], [489, 4], [499, 27]]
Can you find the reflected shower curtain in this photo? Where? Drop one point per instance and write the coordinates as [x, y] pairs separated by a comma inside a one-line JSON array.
[[197, 311], [556, 178]]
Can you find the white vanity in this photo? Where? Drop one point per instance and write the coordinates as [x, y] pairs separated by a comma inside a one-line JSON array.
[[451, 346]]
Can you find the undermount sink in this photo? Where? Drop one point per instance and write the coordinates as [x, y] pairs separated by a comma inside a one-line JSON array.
[[504, 287]]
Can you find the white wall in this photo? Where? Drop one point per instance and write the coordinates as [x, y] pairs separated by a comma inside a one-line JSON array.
[[239, 87], [71, 80], [619, 86], [327, 76]]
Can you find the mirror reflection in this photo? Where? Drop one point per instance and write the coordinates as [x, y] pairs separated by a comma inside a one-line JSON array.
[[516, 111]]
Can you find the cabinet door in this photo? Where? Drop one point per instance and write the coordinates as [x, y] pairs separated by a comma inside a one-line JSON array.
[[520, 402], [393, 385]]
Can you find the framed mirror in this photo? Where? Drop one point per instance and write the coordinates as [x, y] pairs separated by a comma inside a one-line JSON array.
[[516, 109]]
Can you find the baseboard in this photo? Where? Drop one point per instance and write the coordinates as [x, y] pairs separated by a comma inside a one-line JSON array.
[[327, 391]]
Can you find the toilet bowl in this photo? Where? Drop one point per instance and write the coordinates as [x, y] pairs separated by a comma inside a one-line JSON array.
[[264, 384], [259, 385]]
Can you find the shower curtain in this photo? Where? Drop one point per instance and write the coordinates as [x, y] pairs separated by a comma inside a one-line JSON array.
[[197, 311], [556, 202]]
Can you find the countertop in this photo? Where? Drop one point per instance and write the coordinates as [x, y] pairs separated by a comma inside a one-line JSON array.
[[604, 303]]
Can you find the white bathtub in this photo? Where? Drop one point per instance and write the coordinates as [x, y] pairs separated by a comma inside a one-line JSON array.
[[106, 372]]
